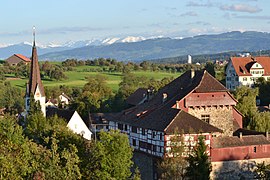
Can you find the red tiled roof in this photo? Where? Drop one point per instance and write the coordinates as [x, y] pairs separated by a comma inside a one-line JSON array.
[[242, 65], [22, 57]]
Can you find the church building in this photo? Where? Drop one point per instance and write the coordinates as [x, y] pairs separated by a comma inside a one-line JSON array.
[[35, 87]]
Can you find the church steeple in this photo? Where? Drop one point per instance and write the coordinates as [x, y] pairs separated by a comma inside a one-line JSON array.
[[35, 79], [35, 86]]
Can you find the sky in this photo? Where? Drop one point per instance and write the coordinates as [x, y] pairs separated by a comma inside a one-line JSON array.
[[59, 21]]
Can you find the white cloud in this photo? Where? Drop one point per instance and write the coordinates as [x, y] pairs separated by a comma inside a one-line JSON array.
[[198, 4], [241, 8], [190, 13]]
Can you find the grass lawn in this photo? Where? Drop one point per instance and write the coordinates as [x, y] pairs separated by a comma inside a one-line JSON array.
[[78, 78]]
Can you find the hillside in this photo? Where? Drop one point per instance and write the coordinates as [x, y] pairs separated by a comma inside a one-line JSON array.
[[167, 47]]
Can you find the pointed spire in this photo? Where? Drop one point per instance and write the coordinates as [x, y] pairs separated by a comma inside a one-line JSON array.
[[35, 79], [34, 36]]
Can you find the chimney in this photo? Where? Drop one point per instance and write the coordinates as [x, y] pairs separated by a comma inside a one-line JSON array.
[[177, 105], [192, 73], [240, 135]]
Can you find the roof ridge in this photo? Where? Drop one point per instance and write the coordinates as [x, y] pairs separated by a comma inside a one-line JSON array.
[[180, 110]]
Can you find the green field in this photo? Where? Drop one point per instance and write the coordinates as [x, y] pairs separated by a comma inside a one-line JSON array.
[[78, 78]]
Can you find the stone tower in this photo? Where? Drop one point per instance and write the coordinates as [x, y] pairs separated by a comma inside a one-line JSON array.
[[35, 86]]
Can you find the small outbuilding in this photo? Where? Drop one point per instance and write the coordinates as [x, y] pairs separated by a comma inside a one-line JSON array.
[[17, 58]]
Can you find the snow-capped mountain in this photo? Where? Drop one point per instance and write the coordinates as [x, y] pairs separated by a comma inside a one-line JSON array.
[[24, 48]]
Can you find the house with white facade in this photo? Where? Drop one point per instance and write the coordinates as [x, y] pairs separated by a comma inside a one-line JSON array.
[[246, 70], [74, 121]]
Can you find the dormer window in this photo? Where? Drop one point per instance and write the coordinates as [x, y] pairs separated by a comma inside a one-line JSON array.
[[164, 97]]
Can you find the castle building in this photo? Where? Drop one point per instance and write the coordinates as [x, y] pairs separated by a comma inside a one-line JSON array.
[[197, 105], [246, 70], [35, 88]]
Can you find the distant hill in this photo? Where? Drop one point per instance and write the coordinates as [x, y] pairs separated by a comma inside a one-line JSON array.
[[140, 48], [167, 47], [202, 58], [26, 49]]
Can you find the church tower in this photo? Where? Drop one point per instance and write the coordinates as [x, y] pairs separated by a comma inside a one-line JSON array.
[[35, 87]]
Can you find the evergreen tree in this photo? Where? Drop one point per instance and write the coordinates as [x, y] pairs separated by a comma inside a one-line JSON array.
[[199, 167]]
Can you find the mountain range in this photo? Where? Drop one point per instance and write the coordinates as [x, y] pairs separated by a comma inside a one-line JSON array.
[[140, 48]]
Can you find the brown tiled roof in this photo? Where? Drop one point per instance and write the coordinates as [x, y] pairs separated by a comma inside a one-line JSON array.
[[62, 113], [158, 115], [242, 65], [35, 79], [234, 141], [101, 118], [190, 124], [22, 57], [209, 84], [136, 97]]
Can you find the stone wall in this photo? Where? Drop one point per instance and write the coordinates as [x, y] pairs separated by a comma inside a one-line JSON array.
[[241, 169], [220, 117], [145, 163]]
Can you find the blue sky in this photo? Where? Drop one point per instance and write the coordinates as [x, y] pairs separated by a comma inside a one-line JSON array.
[[60, 21]]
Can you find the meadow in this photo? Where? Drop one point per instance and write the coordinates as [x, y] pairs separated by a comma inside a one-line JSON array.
[[78, 77]]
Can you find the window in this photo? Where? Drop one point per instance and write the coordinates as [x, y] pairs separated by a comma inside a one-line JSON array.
[[160, 136], [153, 134], [143, 144], [134, 129], [125, 127], [255, 149], [228, 78], [120, 126], [154, 148], [244, 79], [252, 78], [205, 117], [143, 131], [134, 142]]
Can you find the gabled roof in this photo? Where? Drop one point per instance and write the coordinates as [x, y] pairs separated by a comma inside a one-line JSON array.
[[62, 113], [22, 57], [190, 124], [136, 97], [158, 115], [209, 84], [242, 65]]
